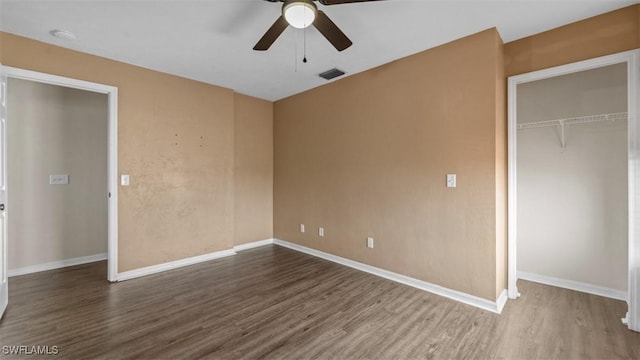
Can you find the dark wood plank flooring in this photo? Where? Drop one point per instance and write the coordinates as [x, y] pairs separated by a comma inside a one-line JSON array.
[[275, 303]]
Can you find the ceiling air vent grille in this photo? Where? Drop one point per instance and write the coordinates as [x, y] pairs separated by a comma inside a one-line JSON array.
[[331, 74]]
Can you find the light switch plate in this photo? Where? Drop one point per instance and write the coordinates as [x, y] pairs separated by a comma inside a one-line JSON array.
[[124, 180], [451, 180], [370, 242], [61, 179]]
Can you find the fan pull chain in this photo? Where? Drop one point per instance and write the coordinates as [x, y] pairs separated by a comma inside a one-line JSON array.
[[304, 41], [295, 52]]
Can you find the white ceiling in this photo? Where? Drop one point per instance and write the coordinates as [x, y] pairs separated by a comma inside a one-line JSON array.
[[212, 40]]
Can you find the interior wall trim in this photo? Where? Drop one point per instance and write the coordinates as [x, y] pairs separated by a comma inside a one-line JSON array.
[[484, 304], [56, 264], [153, 269], [574, 285], [502, 300], [252, 245]]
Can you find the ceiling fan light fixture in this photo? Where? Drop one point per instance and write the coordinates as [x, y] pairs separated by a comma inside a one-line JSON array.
[[299, 13]]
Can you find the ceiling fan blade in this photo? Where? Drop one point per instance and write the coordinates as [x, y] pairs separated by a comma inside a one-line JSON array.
[[338, 2], [331, 31], [272, 34]]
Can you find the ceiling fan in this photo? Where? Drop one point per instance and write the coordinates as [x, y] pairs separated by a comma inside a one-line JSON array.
[[303, 13]]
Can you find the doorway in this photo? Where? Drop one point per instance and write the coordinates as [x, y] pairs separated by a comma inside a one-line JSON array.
[[569, 139], [109, 189]]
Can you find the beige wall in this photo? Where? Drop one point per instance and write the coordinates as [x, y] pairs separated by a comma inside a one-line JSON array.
[[572, 204], [253, 172], [368, 156], [601, 35], [175, 140], [56, 130], [364, 156]]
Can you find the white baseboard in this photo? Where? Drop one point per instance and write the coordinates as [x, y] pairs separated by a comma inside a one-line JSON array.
[[502, 300], [493, 306], [574, 285], [56, 264], [4, 300], [132, 274], [252, 245]]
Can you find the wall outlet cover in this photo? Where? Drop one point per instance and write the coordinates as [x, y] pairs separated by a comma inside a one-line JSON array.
[[370, 242], [62, 179]]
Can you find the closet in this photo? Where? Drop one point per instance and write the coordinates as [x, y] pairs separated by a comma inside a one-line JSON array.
[[573, 181]]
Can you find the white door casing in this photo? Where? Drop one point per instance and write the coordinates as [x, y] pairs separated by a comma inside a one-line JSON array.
[[4, 282]]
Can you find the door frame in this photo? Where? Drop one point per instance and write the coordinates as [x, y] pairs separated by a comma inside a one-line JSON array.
[[112, 153], [632, 59], [4, 276]]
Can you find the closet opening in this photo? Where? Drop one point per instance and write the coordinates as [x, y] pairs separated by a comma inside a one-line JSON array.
[[573, 157]]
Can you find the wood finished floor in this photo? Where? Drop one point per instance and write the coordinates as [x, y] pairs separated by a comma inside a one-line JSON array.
[[272, 302]]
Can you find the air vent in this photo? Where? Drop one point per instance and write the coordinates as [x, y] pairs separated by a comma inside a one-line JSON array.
[[63, 34], [331, 74]]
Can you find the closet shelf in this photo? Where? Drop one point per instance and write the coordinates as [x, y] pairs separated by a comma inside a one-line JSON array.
[[572, 121]]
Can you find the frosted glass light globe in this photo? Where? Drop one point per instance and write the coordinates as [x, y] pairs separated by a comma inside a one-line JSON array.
[[300, 14]]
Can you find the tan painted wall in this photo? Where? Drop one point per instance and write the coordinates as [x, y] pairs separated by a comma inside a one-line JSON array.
[[601, 35], [175, 140], [253, 193], [368, 156], [56, 130]]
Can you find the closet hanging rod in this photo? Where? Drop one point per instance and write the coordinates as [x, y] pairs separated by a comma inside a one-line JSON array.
[[574, 120]]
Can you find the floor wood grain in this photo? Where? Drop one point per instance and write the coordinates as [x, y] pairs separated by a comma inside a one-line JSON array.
[[275, 303]]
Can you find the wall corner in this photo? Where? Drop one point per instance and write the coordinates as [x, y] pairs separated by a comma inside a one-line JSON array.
[[501, 167]]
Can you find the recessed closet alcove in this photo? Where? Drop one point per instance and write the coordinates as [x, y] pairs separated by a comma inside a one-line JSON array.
[[573, 181]]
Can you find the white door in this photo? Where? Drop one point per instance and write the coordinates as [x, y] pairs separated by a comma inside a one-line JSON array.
[[4, 283]]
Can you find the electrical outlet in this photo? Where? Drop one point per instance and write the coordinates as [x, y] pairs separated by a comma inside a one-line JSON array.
[[301, 228], [370, 242], [321, 231], [59, 179]]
